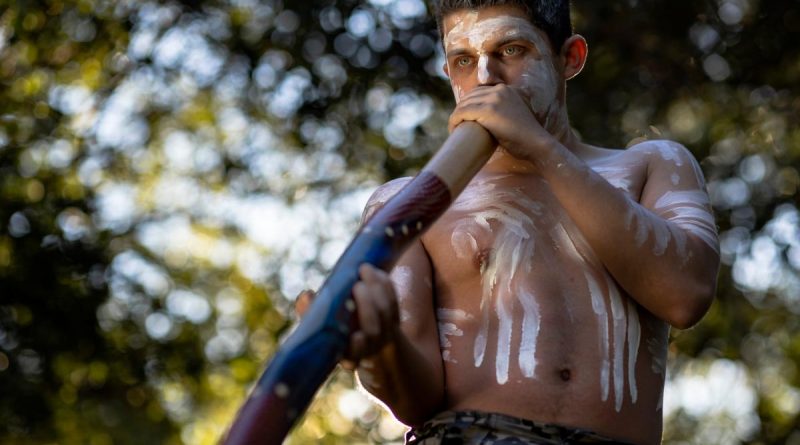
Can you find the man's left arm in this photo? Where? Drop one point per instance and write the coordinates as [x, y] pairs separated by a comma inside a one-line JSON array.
[[663, 250]]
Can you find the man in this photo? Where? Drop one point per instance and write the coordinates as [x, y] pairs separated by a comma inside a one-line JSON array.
[[537, 309]]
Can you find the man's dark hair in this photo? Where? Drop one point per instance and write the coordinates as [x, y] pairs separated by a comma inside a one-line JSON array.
[[551, 16]]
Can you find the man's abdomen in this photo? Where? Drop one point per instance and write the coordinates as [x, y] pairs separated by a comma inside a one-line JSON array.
[[565, 372], [530, 322]]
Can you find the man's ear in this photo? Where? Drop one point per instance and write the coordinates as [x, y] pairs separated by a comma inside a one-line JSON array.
[[445, 69], [575, 51]]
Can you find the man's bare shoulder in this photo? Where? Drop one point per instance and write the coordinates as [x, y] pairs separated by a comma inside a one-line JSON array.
[[671, 168], [383, 194], [664, 151], [625, 169], [668, 156], [660, 164]]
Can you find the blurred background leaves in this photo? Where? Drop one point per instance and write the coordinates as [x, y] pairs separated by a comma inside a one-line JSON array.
[[173, 173]]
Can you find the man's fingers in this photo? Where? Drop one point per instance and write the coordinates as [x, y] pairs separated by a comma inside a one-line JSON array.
[[348, 365], [356, 349], [386, 302], [378, 314], [368, 318], [473, 109], [485, 101], [369, 273], [383, 298]]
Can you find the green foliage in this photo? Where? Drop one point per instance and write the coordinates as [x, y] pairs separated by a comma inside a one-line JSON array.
[[172, 173]]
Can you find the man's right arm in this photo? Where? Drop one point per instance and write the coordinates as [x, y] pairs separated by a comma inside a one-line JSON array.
[[407, 372]]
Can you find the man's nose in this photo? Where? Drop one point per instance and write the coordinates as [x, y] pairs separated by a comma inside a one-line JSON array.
[[488, 70]]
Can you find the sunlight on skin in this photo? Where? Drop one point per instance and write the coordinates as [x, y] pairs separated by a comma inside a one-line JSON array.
[[471, 43], [512, 251]]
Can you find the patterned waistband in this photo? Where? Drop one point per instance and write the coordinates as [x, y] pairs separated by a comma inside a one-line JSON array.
[[480, 428]]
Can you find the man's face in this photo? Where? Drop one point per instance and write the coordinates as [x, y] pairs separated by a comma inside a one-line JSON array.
[[498, 44]]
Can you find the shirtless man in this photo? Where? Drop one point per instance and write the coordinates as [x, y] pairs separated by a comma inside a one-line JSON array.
[[538, 307]]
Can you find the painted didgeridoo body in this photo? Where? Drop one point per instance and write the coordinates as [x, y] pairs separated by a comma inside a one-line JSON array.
[[309, 354]]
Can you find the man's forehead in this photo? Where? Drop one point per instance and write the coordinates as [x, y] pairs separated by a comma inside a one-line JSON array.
[[473, 26], [474, 15]]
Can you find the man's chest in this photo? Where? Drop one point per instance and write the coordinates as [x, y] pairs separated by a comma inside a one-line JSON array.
[[511, 226], [497, 222]]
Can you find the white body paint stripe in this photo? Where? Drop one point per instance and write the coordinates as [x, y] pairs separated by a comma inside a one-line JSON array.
[[634, 337], [599, 308], [531, 324], [689, 210], [620, 330]]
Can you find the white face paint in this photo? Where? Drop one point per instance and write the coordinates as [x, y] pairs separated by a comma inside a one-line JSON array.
[[541, 85], [457, 92], [477, 35], [483, 68], [490, 208], [538, 81]]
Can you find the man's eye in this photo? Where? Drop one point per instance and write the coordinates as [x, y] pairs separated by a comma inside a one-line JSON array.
[[511, 50], [463, 61]]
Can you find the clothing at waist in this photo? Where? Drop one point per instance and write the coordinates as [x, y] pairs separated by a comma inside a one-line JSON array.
[[482, 428]]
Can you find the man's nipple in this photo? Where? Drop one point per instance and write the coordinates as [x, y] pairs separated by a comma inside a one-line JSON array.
[[482, 258]]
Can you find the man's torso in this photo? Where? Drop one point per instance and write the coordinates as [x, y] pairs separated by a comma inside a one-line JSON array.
[[530, 322]]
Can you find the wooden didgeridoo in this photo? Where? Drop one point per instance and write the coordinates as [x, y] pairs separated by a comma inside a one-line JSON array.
[[309, 354]]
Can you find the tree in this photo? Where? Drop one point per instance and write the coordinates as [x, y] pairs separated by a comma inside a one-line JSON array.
[[173, 173]]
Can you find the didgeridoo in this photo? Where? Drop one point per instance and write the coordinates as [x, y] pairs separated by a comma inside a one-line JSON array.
[[309, 354]]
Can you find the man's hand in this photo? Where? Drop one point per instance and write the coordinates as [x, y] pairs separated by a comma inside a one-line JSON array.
[[504, 112], [376, 304]]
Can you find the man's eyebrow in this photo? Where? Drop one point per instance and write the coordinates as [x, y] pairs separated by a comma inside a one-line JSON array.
[[512, 39], [458, 52], [517, 37]]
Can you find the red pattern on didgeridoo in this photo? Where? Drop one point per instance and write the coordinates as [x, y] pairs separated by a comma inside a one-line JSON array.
[[416, 206]]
